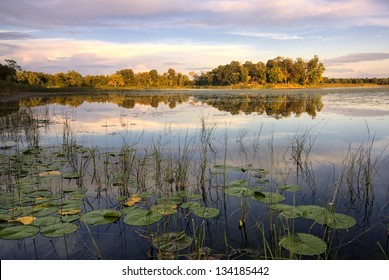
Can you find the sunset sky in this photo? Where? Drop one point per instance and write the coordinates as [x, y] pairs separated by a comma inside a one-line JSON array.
[[351, 37]]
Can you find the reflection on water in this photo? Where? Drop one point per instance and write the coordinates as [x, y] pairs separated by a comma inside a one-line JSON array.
[[328, 142]]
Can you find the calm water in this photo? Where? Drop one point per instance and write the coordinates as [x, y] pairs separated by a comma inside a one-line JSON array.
[[332, 143]]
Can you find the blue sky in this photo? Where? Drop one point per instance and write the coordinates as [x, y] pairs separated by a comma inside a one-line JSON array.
[[351, 37]]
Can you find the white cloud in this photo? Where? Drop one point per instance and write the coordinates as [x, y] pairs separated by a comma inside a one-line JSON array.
[[88, 56]]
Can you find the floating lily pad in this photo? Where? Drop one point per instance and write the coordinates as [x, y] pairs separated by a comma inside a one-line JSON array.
[[165, 208], [18, 232], [132, 200], [238, 191], [168, 199], [238, 183], [43, 210], [268, 197], [172, 241], [195, 196], [58, 230], [303, 244], [51, 173], [335, 220], [206, 212], [140, 217], [291, 188], [191, 205], [68, 212], [74, 190], [45, 221], [71, 175], [287, 211], [26, 220], [311, 211], [4, 218], [100, 217]]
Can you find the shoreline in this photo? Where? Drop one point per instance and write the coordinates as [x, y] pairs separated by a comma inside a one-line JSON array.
[[47, 92]]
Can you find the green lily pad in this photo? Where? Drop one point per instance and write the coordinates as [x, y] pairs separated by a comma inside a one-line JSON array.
[[140, 217], [286, 211], [71, 175], [238, 191], [39, 211], [45, 221], [58, 230], [335, 220], [206, 212], [172, 241], [268, 197], [195, 196], [311, 211], [303, 244], [191, 205], [238, 183], [168, 199], [75, 190], [18, 232], [100, 217], [291, 188], [165, 208], [4, 218]]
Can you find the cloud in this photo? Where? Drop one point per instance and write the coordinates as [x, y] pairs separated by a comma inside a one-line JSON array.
[[11, 35], [356, 57], [82, 55], [269, 35], [242, 14]]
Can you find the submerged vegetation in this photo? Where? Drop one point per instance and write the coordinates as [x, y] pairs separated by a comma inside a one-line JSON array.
[[196, 196]]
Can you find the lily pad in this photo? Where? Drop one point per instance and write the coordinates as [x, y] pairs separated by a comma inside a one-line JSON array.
[[58, 230], [191, 205], [132, 200], [268, 197], [172, 241], [45, 221], [140, 217], [303, 244], [195, 196], [206, 212], [238, 183], [18, 232], [68, 212], [291, 188], [287, 211], [238, 191], [26, 220], [100, 217], [335, 220], [71, 175], [311, 211], [165, 208]]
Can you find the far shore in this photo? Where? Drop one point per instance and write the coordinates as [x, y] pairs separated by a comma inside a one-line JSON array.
[[16, 94]]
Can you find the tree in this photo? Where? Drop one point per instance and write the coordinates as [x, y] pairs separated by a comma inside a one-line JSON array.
[[8, 71], [128, 76], [116, 80], [74, 79], [315, 71], [274, 73]]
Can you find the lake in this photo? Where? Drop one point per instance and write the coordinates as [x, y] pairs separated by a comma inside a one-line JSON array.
[[196, 174]]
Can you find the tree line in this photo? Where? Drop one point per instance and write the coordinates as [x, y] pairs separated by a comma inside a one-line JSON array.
[[279, 70]]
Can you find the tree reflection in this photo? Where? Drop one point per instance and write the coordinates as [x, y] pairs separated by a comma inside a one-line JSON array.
[[277, 105]]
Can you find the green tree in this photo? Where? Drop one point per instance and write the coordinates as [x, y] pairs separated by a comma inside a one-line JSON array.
[[315, 70], [128, 77], [116, 80], [74, 79], [8, 70]]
